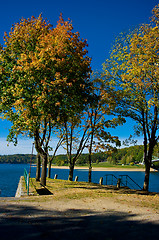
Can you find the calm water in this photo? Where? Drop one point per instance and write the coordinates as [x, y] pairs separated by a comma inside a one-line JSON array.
[[10, 175]]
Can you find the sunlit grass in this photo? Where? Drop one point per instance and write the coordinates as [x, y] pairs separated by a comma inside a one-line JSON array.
[[64, 190], [108, 165]]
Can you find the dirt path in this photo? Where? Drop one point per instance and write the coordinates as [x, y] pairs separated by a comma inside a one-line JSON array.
[[79, 211], [85, 218]]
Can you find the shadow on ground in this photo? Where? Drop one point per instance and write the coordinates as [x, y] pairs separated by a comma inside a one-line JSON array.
[[43, 191], [21, 222]]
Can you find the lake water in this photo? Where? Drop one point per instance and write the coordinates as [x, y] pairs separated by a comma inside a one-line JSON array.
[[10, 175]]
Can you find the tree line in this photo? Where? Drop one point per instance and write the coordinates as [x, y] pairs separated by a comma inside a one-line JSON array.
[[48, 88], [128, 155], [18, 158]]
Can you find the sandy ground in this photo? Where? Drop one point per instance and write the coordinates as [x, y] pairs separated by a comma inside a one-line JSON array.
[[105, 218], [101, 168], [107, 169]]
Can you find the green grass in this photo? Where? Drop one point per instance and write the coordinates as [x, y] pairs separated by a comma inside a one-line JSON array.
[[107, 165], [64, 189]]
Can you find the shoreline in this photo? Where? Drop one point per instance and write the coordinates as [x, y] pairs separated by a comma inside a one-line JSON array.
[[105, 169], [102, 169]]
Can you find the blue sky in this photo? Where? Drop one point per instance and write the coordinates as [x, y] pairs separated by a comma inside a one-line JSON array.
[[98, 21]]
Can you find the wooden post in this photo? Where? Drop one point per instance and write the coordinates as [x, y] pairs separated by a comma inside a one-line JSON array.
[[101, 181], [76, 178], [55, 177], [118, 183]]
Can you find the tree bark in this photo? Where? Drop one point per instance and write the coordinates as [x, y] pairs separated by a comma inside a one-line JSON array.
[[152, 142], [50, 160], [38, 167], [146, 180], [90, 160], [44, 170], [90, 174], [148, 161], [147, 176], [147, 167], [41, 146], [49, 170], [91, 144], [71, 166]]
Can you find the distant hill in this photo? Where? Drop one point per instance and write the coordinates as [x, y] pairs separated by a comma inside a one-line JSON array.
[[133, 154]]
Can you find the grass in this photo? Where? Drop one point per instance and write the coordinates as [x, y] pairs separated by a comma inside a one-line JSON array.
[[107, 165], [64, 190]]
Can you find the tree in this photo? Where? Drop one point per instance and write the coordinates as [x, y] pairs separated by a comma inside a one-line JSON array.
[[59, 143], [23, 87], [100, 138], [132, 78], [100, 119], [89, 130], [44, 74], [76, 135]]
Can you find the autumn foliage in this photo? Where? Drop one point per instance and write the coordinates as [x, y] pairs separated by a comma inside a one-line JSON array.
[[132, 78], [46, 88], [46, 66], [45, 77]]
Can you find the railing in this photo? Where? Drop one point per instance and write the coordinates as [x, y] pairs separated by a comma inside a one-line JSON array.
[[26, 178], [122, 180], [127, 181], [110, 179]]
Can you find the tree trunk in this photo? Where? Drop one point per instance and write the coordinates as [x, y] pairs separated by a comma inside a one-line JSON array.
[[50, 160], [147, 167], [44, 170], [146, 180], [49, 170], [90, 157], [70, 178], [90, 174], [152, 142], [90, 163], [90, 166], [147, 176], [38, 168], [148, 161]]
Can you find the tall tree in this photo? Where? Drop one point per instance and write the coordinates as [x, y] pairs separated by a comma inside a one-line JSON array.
[[58, 144], [88, 130], [23, 88], [100, 119], [132, 79], [45, 76], [76, 135], [100, 138]]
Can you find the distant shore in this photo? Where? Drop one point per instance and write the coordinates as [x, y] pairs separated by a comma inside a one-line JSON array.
[[105, 168], [110, 169]]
